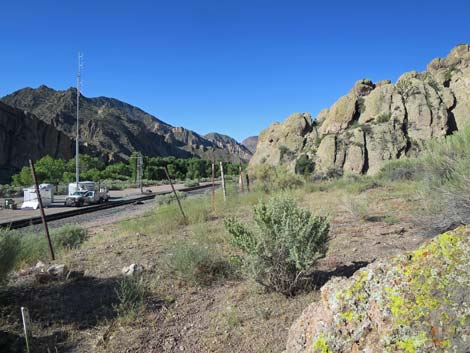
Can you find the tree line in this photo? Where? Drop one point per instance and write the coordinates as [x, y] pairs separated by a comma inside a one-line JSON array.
[[55, 171]]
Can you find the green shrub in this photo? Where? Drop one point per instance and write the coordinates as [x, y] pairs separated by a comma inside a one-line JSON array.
[[191, 183], [131, 293], [26, 247], [284, 246], [383, 118], [401, 169], [304, 165], [9, 250], [270, 178], [445, 182], [69, 237], [198, 263]]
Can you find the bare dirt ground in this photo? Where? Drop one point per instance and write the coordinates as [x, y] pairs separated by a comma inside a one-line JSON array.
[[231, 315]]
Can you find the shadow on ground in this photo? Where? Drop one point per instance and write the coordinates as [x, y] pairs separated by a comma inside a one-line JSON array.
[[82, 303], [319, 278]]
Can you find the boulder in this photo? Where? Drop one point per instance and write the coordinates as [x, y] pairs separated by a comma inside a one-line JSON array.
[[416, 302]]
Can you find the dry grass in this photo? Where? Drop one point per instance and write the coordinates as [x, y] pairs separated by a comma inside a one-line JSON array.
[[231, 314]]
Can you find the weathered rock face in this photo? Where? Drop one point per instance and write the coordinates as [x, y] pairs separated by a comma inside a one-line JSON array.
[[116, 129], [377, 122], [280, 143], [251, 143], [23, 136], [418, 302]]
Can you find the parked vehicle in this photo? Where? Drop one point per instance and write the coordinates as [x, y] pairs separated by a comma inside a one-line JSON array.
[[87, 194]]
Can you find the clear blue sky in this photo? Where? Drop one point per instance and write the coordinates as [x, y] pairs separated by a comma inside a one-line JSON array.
[[227, 66]]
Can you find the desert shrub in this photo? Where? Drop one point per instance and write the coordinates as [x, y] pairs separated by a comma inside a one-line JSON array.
[[401, 169], [32, 246], [69, 237], [357, 206], [284, 245], [198, 263], [9, 249], [270, 178], [383, 118], [446, 183], [131, 293], [304, 165], [191, 183]]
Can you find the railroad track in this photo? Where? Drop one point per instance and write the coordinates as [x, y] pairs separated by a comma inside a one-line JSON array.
[[25, 222]]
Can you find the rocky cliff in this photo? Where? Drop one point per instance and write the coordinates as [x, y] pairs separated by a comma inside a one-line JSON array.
[[417, 302], [23, 136], [116, 128], [375, 122]]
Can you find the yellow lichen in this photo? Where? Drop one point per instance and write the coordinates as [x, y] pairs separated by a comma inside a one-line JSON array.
[[321, 346]]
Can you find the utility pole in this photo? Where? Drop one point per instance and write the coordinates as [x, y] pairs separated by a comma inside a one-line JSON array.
[[77, 158]]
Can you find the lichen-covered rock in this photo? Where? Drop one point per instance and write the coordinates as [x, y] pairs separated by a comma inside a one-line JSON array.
[[417, 302], [395, 118]]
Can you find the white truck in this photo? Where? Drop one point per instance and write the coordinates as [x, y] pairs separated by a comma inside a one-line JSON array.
[[87, 193]]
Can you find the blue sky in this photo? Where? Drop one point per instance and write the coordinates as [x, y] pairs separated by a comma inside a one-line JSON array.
[[228, 66]]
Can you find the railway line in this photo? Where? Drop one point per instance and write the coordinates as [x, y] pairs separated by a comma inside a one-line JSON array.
[[77, 211]]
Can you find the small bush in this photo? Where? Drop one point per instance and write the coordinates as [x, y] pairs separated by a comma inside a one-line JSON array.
[[270, 178], [304, 165], [26, 247], [401, 169], [383, 118], [69, 237], [9, 250], [198, 263], [191, 183], [131, 293], [283, 248]]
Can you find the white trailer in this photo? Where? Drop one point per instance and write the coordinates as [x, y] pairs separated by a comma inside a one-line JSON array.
[[30, 199], [88, 193]]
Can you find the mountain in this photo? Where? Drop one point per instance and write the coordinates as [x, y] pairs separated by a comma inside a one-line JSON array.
[[375, 122], [116, 129], [229, 144], [251, 143], [23, 136]]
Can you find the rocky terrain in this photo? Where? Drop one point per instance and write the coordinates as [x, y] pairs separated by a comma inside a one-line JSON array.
[[251, 143], [23, 136], [375, 122], [416, 302], [116, 129]]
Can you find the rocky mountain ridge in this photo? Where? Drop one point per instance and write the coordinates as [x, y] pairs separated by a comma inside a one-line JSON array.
[[23, 136], [117, 129], [375, 122]]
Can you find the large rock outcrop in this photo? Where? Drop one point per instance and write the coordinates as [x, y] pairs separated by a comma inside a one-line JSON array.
[[117, 129], [23, 136], [417, 302], [376, 122]]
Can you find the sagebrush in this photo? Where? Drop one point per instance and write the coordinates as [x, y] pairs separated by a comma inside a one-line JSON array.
[[283, 246]]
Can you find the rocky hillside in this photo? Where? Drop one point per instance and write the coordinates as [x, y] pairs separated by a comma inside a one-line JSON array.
[[229, 144], [117, 129], [23, 136], [418, 302], [375, 122], [251, 143]]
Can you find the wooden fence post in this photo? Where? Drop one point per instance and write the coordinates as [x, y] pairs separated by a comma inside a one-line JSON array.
[[176, 195], [43, 216]]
